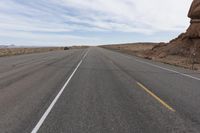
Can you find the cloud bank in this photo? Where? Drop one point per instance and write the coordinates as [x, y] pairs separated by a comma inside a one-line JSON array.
[[69, 22]]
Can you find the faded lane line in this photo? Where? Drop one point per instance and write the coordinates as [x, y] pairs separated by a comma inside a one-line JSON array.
[[39, 124], [156, 97], [85, 54], [186, 75]]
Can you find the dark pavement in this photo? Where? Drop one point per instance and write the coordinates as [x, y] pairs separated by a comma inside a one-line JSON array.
[[109, 93]]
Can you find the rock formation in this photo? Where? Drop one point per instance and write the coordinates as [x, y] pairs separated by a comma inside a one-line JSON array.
[[193, 31], [188, 43], [194, 12]]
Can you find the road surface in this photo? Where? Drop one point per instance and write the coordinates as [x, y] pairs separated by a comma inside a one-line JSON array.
[[95, 90]]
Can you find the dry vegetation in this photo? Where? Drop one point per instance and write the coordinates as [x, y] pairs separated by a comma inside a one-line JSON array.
[[131, 48], [78, 47], [20, 51]]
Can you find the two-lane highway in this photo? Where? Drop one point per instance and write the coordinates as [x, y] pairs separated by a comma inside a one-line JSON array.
[[96, 91]]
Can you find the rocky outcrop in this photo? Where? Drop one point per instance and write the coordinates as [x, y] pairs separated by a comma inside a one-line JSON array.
[[194, 12], [193, 32], [188, 43]]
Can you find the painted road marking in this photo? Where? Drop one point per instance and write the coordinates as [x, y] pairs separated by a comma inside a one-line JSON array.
[[156, 97], [85, 55], [41, 121], [186, 75]]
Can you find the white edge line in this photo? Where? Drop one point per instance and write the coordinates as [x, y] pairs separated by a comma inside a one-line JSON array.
[[186, 75], [44, 116]]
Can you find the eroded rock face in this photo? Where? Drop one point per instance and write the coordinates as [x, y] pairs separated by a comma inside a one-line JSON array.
[[193, 31], [194, 12], [187, 43]]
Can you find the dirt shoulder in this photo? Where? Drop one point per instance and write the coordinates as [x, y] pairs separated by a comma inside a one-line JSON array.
[[143, 50]]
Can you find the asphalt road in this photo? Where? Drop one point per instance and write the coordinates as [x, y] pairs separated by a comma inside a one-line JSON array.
[[96, 91]]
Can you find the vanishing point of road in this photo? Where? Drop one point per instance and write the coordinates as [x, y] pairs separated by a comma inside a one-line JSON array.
[[96, 90]]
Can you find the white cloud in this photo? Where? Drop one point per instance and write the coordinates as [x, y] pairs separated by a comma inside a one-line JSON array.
[[156, 15], [29, 19]]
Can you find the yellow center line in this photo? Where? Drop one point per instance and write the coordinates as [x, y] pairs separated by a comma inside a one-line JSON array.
[[156, 97]]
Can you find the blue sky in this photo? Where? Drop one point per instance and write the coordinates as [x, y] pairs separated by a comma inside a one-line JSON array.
[[91, 22]]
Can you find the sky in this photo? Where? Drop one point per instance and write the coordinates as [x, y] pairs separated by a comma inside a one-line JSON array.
[[91, 22]]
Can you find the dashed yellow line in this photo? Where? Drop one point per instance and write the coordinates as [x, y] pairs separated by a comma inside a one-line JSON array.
[[156, 97]]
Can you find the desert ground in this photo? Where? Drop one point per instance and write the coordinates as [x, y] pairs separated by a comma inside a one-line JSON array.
[[20, 51], [147, 51], [30, 50]]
